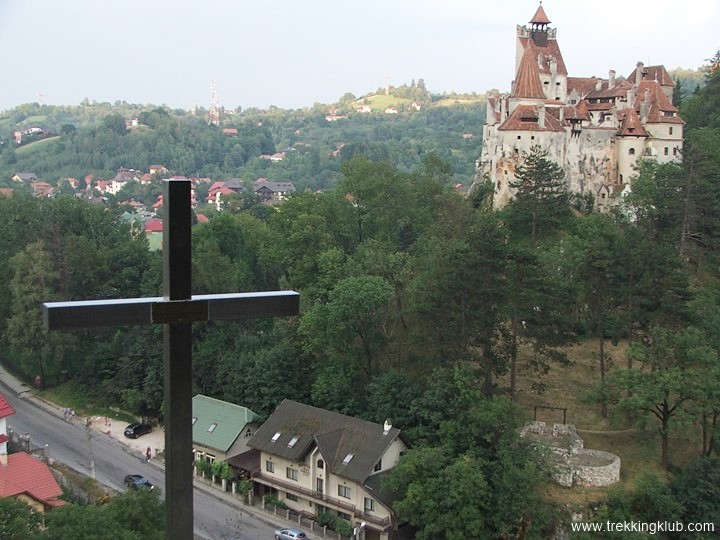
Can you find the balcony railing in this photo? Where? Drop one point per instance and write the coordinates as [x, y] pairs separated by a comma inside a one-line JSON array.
[[320, 497]]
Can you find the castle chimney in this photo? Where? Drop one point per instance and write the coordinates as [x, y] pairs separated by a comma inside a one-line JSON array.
[[611, 79], [541, 116], [639, 72]]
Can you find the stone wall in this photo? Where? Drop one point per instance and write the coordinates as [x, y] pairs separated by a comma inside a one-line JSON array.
[[571, 463]]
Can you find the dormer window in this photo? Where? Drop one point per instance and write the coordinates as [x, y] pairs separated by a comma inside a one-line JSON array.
[[293, 441], [194, 420], [348, 459], [212, 427], [320, 464], [275, 437]]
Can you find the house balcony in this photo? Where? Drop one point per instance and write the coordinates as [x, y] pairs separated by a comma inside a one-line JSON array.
[[319, 498]]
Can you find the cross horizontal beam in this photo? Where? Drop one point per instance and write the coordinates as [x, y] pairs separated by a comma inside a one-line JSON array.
[[158, 310]]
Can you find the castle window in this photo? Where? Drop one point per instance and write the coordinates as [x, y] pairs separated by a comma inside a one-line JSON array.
[[546, 82], [532, 137], [519, 137], [557, 84], [675, 151], [631, 152], [670, 131], [667, 151]]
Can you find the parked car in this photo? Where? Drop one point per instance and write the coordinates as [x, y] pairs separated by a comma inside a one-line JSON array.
[[135, 481], [290, 534], [136, 429]]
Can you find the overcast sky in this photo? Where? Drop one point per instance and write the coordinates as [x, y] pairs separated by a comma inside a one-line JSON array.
[[292, 54]]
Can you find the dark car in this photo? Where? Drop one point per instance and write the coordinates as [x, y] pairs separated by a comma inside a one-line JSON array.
[[135, 481], [136, 429]]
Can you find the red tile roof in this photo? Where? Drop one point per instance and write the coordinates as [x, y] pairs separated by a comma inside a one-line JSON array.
[[5, 408], [659, 104], [527, 83], [550, 51], [525, 118], [154, 225], [577, 112], [26, 474], [620, 90], [630, 124], [653, 73], [582, 85], [540, 17]]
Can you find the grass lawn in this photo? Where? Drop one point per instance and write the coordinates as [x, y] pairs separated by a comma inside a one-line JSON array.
[[83, 401]]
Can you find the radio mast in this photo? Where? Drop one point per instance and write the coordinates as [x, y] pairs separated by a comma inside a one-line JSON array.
[[214, 116]]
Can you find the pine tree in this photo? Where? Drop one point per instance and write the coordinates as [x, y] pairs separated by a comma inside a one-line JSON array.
[[541, 196]]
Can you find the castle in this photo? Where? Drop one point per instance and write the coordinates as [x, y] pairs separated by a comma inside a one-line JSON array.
[[595, 129]]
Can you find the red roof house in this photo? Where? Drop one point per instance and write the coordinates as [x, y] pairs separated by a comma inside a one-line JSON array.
[[27, 478]]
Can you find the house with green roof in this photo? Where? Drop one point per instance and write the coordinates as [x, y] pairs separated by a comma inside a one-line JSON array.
[[221, 430], [316, 460]]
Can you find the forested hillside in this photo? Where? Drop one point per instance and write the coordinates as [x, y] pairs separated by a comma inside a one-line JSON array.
[[92, 139], [417, 304]]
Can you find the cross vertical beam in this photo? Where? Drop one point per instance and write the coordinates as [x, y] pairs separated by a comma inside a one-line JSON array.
[[176, 310], [177, 361]]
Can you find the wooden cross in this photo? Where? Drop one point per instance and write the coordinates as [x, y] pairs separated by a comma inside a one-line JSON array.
[[176, 310]]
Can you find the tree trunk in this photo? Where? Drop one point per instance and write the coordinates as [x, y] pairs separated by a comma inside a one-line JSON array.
[[601, 358], [513, 354]]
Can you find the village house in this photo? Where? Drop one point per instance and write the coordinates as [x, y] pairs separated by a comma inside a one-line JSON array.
[[24, 177], [316, 461], [595, 129], [221, 430], [272, 192], [23, 476]]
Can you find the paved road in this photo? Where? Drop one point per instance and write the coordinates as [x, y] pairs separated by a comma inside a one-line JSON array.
[[69, 443]]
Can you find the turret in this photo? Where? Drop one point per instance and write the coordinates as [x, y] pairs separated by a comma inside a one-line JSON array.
[[538, 25]]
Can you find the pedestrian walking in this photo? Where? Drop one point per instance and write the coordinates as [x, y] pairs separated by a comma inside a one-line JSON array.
[[148, 454]]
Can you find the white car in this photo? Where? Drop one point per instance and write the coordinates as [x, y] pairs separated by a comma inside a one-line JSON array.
[[290, 534]]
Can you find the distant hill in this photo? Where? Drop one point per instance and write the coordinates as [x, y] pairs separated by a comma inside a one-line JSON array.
[[98, 138]]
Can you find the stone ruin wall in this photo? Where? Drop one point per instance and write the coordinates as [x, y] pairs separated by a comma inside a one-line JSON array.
[[575, 466]]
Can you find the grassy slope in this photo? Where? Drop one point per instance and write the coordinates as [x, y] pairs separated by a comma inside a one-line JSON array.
[[639, 449]]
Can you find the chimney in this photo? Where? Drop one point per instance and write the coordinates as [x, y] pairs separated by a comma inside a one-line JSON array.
[[611, 79], [387, 426], [3, 460], [645, 105], [562, 114], [541, 116], [598, 85], [639, 72]]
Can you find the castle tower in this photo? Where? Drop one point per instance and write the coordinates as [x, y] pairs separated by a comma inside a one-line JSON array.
[[595, 129]]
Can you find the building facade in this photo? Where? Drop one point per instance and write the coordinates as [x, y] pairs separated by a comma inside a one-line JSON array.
[[316, 461], [595, 129]]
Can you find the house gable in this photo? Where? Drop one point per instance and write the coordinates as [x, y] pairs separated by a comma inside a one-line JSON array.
[[336, 435], [217, 424]]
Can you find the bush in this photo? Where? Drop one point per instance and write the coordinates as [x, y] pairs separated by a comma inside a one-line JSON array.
[[220, 469], [243, 486], [336, 523], [203, 466]]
